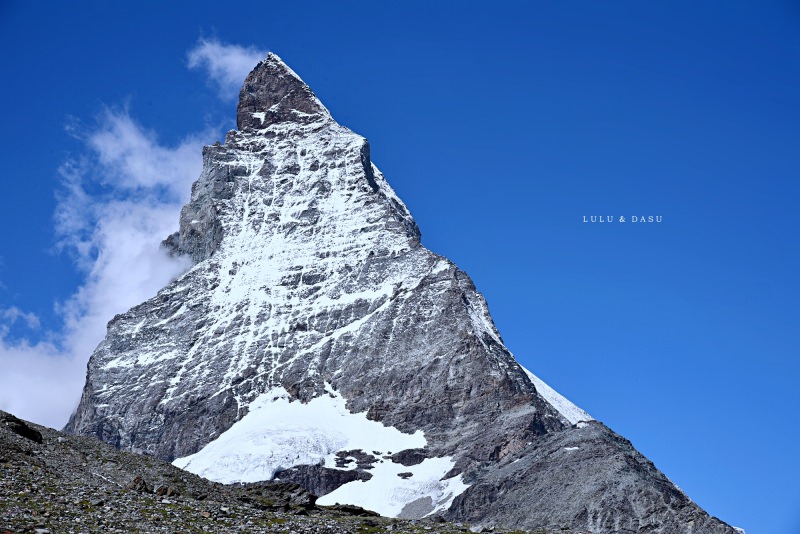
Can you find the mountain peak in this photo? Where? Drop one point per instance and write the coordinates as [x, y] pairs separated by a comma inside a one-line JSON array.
[[273, 93]]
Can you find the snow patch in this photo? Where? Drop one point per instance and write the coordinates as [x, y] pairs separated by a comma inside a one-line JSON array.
[[387, 493], [277, 434]]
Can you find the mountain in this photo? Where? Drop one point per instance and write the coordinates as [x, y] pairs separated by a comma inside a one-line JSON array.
[[316, 340]]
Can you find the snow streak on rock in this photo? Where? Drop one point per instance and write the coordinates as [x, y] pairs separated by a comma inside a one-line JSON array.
[[571, 413]]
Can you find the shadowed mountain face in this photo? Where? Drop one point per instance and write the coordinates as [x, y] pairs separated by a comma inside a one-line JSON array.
[[311, 294]]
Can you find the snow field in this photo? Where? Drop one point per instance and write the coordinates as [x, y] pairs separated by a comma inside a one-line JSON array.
[[277, 434]]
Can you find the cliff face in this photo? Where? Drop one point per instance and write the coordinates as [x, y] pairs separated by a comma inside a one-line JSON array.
[[315, 339]]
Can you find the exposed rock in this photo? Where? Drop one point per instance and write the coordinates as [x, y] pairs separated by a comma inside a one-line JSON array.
[[583, 475], [361, 459], [273, 94], [138, 484], [409, 456], [279, 495], [18, 426], [353, 510], [166, 491], [320, 480]]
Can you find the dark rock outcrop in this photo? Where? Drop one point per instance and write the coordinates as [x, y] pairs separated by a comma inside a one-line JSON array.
[[19, 427], [409, 456], [138, 484], [272, 94], [320, 480], [279, 495]]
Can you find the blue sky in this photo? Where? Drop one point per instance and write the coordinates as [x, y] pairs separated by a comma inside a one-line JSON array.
[[500, 125]]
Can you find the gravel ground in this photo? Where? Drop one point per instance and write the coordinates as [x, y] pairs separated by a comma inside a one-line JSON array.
[[76, 484]]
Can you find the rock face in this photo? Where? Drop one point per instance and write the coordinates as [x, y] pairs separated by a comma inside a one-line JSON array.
[[309, 280], [19, 427]]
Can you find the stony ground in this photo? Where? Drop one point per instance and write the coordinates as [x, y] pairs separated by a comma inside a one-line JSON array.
[[52, 482]]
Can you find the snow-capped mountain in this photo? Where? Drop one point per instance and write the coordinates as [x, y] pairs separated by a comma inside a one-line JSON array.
[[315, 339]]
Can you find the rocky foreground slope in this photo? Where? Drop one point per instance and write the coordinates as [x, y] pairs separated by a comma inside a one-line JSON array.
[[316, 340], [58, 483]]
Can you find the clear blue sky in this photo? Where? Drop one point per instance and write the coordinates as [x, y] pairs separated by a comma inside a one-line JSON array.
[[500, 125]]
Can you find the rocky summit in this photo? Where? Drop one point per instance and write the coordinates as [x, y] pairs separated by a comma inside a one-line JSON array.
[[316, 340]]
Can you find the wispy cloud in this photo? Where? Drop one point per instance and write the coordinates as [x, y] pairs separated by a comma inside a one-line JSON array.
[[11, 315], [115, 234], [39, 382], [227, 65], [116, 203]]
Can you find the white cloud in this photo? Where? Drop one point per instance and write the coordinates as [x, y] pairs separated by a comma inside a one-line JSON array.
[[118, 202], [132, 159], [12, 314], [39, 381], [226, 65]]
